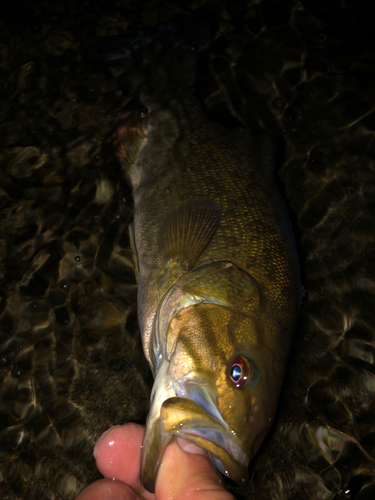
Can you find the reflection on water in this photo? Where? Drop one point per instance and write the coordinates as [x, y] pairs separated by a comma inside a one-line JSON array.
[[71, 363]]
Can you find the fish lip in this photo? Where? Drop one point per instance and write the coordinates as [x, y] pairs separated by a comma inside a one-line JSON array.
[[199, 428], [203, 428], [223, 458]]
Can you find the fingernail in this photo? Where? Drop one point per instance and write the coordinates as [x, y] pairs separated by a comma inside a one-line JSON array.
[[190, 447]]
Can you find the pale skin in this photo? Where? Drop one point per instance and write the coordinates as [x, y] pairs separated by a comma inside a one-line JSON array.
[[182, 475]]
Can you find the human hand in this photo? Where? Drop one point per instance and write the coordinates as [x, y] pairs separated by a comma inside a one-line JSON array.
[[182, 474]]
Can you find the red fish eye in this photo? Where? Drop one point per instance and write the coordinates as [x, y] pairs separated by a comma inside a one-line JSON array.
[[240, 371]]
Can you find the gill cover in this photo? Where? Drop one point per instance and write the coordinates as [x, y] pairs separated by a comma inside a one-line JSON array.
[[220, 283]]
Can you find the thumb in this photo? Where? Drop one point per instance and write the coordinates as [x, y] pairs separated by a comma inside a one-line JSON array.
[[188, 475]]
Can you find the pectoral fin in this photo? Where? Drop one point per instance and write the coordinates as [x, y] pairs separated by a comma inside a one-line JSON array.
[[186, 232]]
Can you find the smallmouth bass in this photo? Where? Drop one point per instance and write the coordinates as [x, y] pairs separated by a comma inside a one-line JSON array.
[[214, 255]]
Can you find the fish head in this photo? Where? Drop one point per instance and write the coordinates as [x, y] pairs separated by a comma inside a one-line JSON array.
[[218, 383]]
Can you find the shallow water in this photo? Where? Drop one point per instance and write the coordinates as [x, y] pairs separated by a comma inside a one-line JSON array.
[[71, 362]]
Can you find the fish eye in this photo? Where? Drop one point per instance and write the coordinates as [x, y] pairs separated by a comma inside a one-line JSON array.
[[241, 372]]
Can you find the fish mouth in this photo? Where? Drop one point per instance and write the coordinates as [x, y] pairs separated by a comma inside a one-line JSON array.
[[184, 418]]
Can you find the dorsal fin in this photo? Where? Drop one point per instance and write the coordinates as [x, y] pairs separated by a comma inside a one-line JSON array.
[[186, 231]]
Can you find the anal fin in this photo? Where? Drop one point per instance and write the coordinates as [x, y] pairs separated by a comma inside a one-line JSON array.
[[134, 251]]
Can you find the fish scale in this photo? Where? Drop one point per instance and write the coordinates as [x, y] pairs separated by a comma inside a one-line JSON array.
[[218, 176], [214, 255]]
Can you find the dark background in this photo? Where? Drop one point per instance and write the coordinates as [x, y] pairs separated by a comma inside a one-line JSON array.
[[71, 363]]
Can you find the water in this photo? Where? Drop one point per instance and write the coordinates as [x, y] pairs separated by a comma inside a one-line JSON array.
[[71, 363]]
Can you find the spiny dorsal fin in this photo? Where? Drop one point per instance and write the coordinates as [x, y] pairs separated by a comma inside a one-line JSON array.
[[186, 231]]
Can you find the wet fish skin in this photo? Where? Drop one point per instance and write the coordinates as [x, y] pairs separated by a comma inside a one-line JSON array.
[[215, 262]]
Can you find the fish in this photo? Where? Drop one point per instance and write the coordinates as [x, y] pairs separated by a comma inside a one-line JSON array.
[[213, 250]]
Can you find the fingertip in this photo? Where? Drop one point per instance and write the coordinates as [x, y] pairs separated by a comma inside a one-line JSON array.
[[107, 489], [102, 441], [117, 453], [188, 474]]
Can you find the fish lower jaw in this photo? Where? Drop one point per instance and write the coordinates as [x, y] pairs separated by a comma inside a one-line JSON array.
[[230, 460], [183, 418], [198, 421]]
